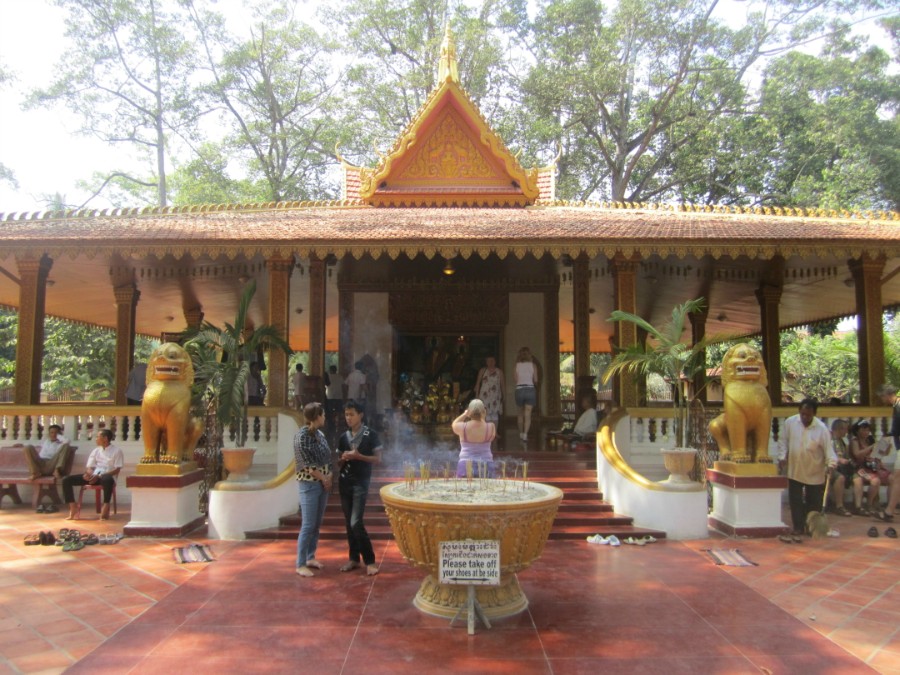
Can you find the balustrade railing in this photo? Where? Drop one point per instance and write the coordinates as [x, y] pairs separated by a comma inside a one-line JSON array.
[[27, 424], [650, 429]]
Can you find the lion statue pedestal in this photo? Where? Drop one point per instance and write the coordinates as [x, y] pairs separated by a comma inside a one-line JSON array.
[[746, 487]]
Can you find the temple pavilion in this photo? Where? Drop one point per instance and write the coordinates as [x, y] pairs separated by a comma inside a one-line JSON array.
[[444, 252]]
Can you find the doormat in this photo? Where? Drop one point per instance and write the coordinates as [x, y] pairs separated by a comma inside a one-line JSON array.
[[730, 556], [193, 553]]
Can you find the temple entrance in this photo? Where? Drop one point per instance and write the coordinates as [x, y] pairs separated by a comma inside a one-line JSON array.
[[450, 358]]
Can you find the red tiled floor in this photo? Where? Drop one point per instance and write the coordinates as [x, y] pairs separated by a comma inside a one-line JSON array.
[[661, 608]]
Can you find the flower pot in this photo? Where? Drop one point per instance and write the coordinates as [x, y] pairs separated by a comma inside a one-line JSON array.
[[679, 463], [237, 463]]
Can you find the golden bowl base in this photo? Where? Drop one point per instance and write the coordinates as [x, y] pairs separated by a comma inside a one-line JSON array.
[[445, 600], [157, 469], [747, 468]]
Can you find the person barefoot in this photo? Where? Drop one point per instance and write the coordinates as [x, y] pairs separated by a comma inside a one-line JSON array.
[[371, 570]]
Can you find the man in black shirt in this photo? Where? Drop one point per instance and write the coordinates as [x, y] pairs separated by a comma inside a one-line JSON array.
[[359, 448]]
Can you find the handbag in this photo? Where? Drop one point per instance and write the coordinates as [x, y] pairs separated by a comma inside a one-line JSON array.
[[873, 468]]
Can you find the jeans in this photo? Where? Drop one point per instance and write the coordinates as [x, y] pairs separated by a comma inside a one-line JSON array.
[[803, 499], [313, 498], [353, 503]]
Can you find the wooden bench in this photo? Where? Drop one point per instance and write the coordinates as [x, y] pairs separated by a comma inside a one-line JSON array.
[[14, 471]]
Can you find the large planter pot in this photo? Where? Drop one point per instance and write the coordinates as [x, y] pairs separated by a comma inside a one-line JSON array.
[[237, 462], [420, 522], [679, 463]]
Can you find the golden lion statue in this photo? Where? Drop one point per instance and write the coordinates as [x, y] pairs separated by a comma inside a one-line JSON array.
[[748, 409], [168, 428]]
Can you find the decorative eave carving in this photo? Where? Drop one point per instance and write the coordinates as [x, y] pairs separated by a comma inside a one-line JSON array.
[[448, 92]]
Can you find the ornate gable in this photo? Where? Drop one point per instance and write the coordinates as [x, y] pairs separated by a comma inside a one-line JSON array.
[[448, 155]]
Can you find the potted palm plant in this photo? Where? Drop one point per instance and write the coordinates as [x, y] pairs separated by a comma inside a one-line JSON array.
[[222, 359], [665, 354]]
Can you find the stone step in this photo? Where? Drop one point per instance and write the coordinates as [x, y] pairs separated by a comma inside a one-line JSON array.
[[582, 511]]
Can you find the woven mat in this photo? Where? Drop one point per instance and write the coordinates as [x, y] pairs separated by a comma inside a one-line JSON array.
[[729, 556], [193, 553]]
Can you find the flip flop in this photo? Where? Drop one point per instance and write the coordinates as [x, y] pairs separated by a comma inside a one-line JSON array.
[[873, 531], [77, 545], [32, 539], [39, 509], [890, 532], [796, 538], [785, 538], [647, 539]]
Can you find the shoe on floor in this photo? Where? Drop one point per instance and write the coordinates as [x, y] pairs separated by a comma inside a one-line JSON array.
[[597, 539], [613, 540], [891, 533], [785, 538], [873, 531]]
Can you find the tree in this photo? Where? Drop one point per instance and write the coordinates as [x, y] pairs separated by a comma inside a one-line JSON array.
[[222, 356], [821, 367], [663, 354], [395, 46], [648, 96], [274, 93], [835, 141], [6, 174], [127, 76], [79, 359]]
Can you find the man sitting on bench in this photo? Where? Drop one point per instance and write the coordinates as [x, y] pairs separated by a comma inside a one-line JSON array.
[[51, 458], [103, 465]]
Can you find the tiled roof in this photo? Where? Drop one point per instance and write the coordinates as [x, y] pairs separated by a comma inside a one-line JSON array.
[[547, 183], [351, 182], [357, 230]]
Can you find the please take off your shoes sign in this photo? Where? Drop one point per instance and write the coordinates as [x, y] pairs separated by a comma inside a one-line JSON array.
[[473, 562]]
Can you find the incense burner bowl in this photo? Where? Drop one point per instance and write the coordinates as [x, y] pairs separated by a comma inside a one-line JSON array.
[[518, 514]]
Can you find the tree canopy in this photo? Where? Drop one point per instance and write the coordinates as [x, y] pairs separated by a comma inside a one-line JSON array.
[[710, 101]]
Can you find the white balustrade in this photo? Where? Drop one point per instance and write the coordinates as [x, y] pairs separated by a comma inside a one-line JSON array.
[[24, 425]]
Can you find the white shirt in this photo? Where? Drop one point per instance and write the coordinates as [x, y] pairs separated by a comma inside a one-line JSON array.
[[356, 383], [50, 448], [525, 374], [587, 423], [106, 459], [808, 450], [335, 388]]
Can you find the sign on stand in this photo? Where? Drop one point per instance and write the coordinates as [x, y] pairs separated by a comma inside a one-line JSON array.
[[473, 563]]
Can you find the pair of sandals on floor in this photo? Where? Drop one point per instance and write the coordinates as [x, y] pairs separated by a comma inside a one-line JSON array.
[[613, 540], [890, 532]]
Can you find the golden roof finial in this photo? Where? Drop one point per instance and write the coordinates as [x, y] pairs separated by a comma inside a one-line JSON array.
[[447, 65]]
